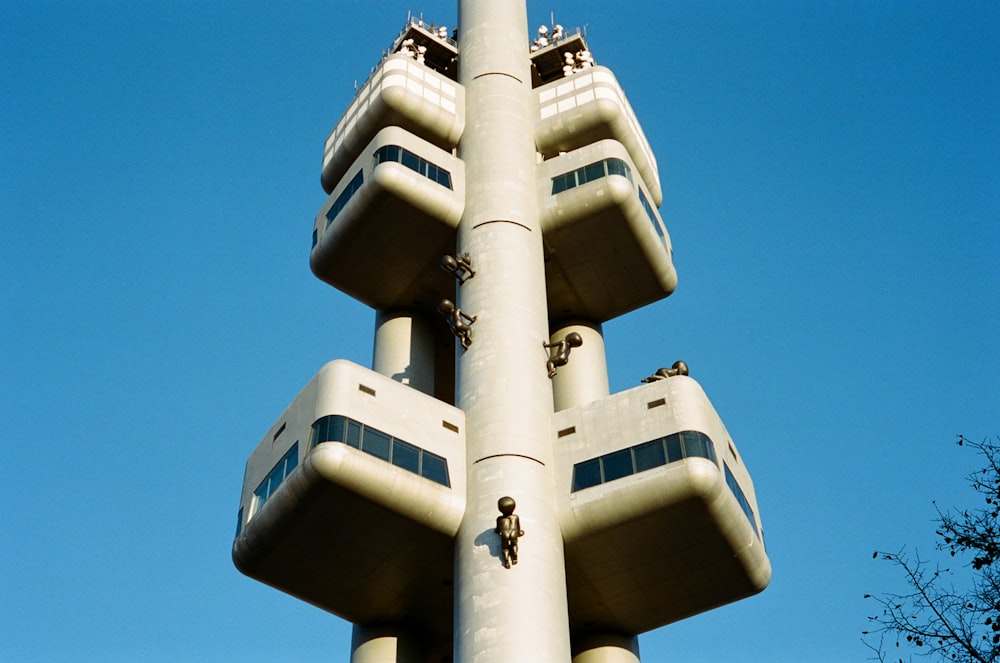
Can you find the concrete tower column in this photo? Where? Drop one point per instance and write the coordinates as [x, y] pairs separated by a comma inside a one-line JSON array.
[[585, 377], [607, 648], [383, 645], [404, 349], [520, 613]]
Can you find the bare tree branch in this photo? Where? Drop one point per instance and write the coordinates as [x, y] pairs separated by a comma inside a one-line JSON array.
[[933, 618]]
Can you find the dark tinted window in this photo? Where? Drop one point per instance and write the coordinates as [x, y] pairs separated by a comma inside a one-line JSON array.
[[376, 443], [617, 464], [674, 448], [697, 444], [594, 171], [406, 456], [587, 474], [617, 167], [353, 434], [434, 468], [649, 455], [411, 160]]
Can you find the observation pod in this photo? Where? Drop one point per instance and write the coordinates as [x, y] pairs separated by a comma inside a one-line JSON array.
[[660, 518], [607, 249], [589, 106], [352, 500], [420, 96], [381, 233]]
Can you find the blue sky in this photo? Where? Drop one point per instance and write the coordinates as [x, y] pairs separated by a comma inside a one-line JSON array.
[[831, 174]]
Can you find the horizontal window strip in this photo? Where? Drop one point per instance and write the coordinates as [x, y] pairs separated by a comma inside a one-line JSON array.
[[353, 433], [642, 457]]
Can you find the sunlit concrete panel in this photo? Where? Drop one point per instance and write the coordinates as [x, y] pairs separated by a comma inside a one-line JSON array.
[[607, 249], [357, 530], [669, 538], [380, 235], [400, 92], [590, 106]]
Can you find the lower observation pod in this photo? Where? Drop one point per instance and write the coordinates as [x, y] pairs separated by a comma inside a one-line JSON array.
[[660, 519], [352, 501]]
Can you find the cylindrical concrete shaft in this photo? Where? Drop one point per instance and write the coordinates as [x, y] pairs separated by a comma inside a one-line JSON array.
[[383, 645], [517, 614], [404, 349], [585, 377], [607, 648]]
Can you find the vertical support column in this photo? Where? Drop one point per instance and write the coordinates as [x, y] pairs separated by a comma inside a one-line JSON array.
[[404, 349], [520, 613], [607, 648], [383, 645], [585, 377]]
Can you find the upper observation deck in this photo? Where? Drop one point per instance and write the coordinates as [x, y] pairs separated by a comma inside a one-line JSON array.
[[580, 102], [382, 231], [413, 87], [607, 250]]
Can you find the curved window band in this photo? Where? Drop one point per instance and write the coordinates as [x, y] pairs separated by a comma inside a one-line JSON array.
[[642, 457], [342, 199], [589, 173], [274, 478], [397, 154], [742, 499], [338, 428]]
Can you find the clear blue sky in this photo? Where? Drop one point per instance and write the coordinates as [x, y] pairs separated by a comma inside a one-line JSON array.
[[832, 185]]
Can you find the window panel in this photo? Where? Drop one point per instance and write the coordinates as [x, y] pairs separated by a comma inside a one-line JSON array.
[[617, 465], [406, 456], [587, 474], [435, 468], [291, 460], [411, 160], [594, 171], [617, 167], [560, 184], [337, 423], [741, 498], [315, 434], [376, 443], [353, 434], [649, 455], [697, 445], [674, 452]]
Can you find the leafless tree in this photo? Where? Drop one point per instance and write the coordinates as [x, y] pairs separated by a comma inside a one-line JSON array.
[[932, 617]]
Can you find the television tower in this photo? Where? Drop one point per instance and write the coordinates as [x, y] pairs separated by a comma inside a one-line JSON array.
[[480, 496]]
